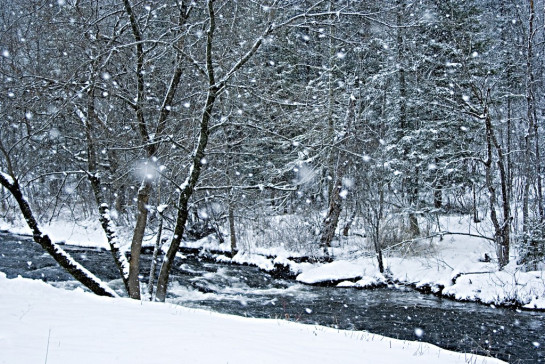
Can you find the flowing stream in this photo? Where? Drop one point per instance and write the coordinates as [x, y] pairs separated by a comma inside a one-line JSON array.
[[512, 335]]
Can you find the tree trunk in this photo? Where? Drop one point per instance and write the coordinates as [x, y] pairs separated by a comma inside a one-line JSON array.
[[332, 218], [529, 136], [411, 180], [350, 221], [335, 201], [378, 247], [476, 218], [93, 176], [138, 237], [148, 139], [188, 187], [64, 259], [501, 228], [109, 229], [121, 199], [232, 230], [156, 250]]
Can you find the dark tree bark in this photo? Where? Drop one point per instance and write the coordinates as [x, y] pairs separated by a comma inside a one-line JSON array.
[[138, 236], [96, 185], [502, 228], [188, 187], [65, 261], [348, 225], [151, 142], [156, 249], [187, 191], [411, 181], [331, 220], [232, 230]]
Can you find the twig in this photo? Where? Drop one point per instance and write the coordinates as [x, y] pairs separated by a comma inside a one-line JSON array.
[[47, 349]]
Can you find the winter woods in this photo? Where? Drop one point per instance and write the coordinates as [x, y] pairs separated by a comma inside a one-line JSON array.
[[212, 116]]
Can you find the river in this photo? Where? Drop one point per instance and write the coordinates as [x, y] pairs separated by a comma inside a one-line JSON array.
[[512, 335]]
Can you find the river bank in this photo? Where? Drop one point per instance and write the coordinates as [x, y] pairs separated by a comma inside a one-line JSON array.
[[455, 266], [198, 281]]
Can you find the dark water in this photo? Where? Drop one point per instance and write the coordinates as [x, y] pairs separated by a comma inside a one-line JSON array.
[[514, 336]]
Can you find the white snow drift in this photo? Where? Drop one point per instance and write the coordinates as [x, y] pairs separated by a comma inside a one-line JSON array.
[[42, 324]]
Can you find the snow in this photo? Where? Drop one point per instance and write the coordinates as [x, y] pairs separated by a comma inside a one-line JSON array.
[[41, 323], [508, 285], [257, 260], [86, 232], [87, 273], [7, 177], [451, 266], [339, 270]]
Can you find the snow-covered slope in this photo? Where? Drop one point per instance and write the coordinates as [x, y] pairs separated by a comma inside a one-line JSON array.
[[42, 324]]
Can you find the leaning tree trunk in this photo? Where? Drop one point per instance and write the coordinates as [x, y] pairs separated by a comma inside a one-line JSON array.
[[93, 175], [187, 191], [64, 259], [188, 187]]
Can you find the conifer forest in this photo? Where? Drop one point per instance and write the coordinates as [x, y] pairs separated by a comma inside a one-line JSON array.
[[306, 125]]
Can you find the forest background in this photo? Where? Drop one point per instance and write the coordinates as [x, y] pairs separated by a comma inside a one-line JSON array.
[[352, 119]]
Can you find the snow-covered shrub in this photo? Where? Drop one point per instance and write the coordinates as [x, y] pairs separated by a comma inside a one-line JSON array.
[[291, 232]]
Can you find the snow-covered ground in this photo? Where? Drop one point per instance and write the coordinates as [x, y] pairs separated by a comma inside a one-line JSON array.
[[43, 324], [453, 266]]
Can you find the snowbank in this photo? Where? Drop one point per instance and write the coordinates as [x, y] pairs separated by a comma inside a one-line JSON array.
[[452, 266], [42, 324]]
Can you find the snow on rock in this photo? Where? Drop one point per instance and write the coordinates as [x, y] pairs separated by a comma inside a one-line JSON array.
[[346, 284], [536, 303], [223, 259], [45, 324], [366, 282], [335, 271], [209, 242], [253, 259], [372, 281], [502, 287], [294, 267]]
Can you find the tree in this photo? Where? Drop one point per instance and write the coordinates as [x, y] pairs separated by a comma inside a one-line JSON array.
[[387, 113]]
